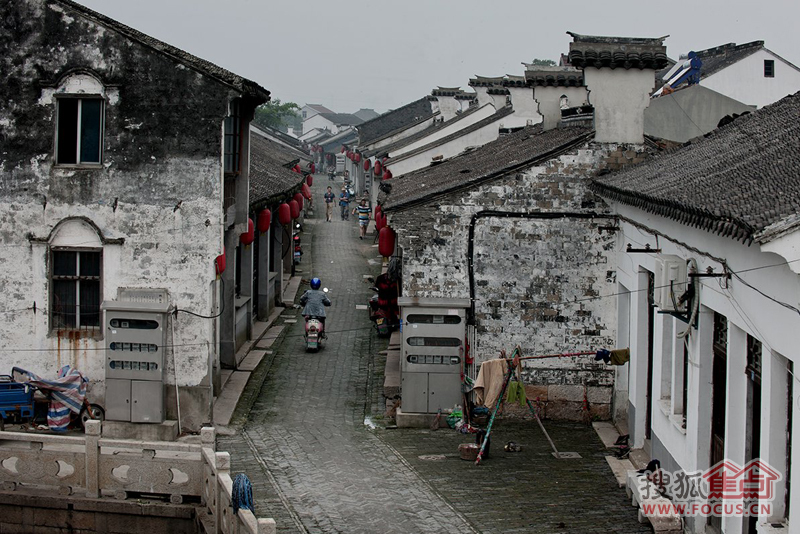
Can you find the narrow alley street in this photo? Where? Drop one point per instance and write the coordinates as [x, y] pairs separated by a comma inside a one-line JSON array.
[[317, 467]]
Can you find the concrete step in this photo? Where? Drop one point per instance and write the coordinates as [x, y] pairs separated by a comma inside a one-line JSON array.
[[226, 402], [251, 361], [620, 469], [391, 381]]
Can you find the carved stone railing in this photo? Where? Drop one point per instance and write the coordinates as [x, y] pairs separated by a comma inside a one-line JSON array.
[[99, 467]]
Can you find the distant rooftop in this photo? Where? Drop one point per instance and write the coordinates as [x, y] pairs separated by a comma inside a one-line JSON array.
[[392, 120]]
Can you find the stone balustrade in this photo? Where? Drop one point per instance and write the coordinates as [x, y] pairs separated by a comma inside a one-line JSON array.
[[97, 467]]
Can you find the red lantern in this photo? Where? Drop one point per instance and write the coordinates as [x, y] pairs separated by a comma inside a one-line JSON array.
[[219, 263], [296, 168], [309, 180], [344, 149], [387, 175], [380, 221], [357, 158], [294, 208], [378, 168], [306, 191], [284, 213], [264, 220], [298, 197], [366, 164], [378, 209], [248, 237], [313, 168], [386, 238]]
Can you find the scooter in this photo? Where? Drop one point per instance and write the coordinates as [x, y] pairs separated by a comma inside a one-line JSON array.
[[315, 333], [298, 249]]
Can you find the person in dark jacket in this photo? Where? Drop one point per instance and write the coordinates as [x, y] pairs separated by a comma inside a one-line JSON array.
[[314, 301]]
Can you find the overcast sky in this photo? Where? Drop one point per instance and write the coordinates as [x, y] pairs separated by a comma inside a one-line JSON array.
[[382, 54]]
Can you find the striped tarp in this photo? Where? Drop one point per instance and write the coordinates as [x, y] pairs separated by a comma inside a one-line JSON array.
[[66, 394]]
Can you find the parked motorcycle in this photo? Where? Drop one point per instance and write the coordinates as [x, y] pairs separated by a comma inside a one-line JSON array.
[[382, 306], [298, 249]]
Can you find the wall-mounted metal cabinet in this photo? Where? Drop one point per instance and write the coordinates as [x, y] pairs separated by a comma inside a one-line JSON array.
[[136, 338], [432, 354]]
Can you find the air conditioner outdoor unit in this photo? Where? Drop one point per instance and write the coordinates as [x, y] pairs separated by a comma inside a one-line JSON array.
[[670, 283]]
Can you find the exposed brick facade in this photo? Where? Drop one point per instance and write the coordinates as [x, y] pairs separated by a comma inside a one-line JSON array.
[[534, 279]]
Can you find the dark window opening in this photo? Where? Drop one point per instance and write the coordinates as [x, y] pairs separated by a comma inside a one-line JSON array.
[[233, 139], [769, 68], [753, 369], [434, 342], [75, 284], [433, 319], [79, 136]]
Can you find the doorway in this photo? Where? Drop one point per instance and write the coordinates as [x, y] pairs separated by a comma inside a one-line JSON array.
[[719, 389]]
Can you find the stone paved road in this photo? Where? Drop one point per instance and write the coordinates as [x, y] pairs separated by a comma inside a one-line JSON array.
[[316, 467]]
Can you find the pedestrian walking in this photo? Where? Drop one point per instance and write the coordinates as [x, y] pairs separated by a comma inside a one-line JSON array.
[[344, 203], [329, 198], [363, 217]]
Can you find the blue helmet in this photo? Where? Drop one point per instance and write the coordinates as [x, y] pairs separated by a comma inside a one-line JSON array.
[[315, 283]]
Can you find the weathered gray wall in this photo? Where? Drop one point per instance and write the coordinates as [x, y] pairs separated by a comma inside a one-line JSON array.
[[162, 149], [535, 279]]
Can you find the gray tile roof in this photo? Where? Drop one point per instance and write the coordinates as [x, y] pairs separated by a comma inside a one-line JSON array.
[[342, 119], [396, 119], [735, 182], [243, 85], [366, 114], [510, 153], [617, 52], [271, 180], [554, 78]]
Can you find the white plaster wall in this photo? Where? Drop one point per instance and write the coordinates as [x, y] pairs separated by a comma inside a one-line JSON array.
[[744, 80], [526, 109], [318, 121], [479, 137], [549, 100], [482, 94], [619, 97], [175, 254], [747, 313], [448, 106], [477, 116]]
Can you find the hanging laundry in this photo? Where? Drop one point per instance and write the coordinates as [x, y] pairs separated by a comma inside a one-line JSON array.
[[516, 393], [489, 383], [613, 357]]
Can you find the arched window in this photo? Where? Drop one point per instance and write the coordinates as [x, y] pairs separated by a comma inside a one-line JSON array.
[[80, 119], [76, 267]]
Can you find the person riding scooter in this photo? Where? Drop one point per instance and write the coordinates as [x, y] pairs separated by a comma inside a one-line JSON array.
[[314, 302]]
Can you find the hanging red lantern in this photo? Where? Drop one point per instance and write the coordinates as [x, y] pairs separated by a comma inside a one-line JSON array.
[[306, 191], [387, 175], [380, 221], [294, 208], [357, 158], [296, 168], [313, 168], [220, 262], [366, 164], [344, 149], [378, 209], [284, 213], [386, 238], [250, 235], [378, 168], [309, 180], [264, 220], [298, 197]]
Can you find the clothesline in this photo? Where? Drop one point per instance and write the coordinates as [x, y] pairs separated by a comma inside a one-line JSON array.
[[566, 355]]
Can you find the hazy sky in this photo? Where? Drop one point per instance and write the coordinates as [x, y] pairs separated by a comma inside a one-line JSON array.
[[380, 54]]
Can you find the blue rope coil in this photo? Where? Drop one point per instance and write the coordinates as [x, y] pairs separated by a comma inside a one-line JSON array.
[[242, 493]]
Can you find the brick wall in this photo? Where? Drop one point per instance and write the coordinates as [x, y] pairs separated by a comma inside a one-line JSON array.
[[535, 279]]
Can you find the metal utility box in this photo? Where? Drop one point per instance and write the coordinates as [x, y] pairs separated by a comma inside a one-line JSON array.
[[136, 336], [670, 282], [432, 353]]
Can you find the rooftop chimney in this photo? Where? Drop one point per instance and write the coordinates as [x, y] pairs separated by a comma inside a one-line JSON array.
[[619, 73]]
